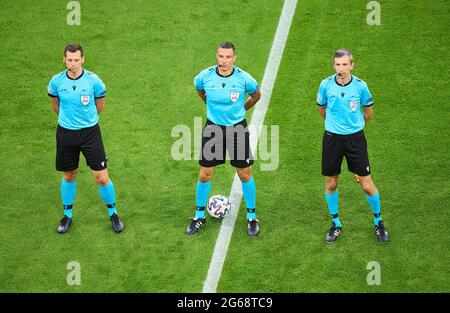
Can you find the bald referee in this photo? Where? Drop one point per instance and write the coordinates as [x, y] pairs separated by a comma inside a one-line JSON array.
[[340, 99], [77, 97]]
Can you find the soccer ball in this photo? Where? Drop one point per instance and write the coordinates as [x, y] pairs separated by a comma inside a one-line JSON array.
[[219, 206]]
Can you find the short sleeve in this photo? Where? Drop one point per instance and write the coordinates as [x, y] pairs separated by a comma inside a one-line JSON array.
[[198, 81], [52, 88], [322, 94], [99, 88], [251, 85], [366, 96]]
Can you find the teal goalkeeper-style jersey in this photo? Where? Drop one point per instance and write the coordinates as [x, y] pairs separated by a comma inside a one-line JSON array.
[[343, 104], [225, 96], [77, 108]]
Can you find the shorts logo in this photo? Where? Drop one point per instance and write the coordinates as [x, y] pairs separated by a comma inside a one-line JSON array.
[[353, 104], [234, 96], [85, 99], [319, 97], [367, 168], [103, 163]]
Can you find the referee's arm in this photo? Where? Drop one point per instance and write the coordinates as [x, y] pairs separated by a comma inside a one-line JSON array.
[[55, 104], [368, 113], [321, 109], [100, 104], [254, 97], [202, 95]]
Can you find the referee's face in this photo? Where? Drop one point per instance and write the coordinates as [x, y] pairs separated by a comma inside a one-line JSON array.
[[343, 66], [225, 59], [73, 61]]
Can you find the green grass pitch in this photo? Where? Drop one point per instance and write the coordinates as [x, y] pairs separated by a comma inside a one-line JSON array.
[[147, 53]]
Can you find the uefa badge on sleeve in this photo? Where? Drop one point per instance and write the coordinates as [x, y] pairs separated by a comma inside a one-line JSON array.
[[85, 100], [234, 96]]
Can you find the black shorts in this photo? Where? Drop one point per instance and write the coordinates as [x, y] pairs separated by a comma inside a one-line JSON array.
[[353, 147], [69, 143], [216, 140]]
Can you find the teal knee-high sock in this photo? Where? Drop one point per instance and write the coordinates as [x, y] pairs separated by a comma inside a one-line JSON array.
[[108, 195], [374, 203], [201, 196], [333, 207], [68, 192], [249, 191]]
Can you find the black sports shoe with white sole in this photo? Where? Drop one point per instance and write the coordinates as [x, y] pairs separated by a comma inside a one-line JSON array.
[[252, 227], [64, 224], [381, 232], [116, 223], [195, 225], [333, 233]]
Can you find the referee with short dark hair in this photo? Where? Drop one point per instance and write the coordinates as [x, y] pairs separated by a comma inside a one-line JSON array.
[[223, 88], [339, 100], [77, 97]]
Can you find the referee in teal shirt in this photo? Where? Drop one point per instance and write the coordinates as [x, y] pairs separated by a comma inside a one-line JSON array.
[[223, 88], [339, 99], [77, 97]]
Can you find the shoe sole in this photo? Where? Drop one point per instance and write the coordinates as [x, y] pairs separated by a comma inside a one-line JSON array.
[[328, 239], [253, 235], [382, 241], [191, 234], [118, 231]]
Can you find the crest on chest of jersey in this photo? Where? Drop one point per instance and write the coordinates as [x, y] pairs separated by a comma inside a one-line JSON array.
[[353, 104], [234, 96], [85, 99]]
